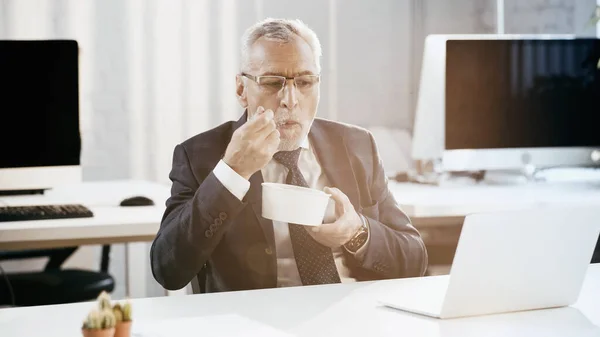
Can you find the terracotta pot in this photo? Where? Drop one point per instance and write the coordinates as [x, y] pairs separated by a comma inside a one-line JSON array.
[[98, 333], [123, 329]]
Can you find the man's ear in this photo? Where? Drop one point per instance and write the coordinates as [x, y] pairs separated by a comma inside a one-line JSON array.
[[240, 91]]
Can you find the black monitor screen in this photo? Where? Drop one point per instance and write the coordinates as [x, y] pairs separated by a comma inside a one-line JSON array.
[[522, 93], [39, 105]]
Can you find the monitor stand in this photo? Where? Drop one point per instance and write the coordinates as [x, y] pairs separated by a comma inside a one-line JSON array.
[[526, 175], [535, 175]]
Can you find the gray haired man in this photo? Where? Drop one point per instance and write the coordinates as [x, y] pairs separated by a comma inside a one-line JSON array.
[[212, 226]]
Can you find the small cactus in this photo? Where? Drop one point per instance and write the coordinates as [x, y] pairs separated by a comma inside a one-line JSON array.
[[104, 301], [99, 320], [108, 319], [127, 312], [118, 312], [92, 321], [122, 312]]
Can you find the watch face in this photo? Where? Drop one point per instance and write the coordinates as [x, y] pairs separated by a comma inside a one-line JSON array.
[[362, 238], [358, 241]]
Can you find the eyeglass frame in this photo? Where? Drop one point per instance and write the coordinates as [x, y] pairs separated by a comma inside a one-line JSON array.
[[256, 79]]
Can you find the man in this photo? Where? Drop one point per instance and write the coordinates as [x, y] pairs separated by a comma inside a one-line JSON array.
[[213, 228]]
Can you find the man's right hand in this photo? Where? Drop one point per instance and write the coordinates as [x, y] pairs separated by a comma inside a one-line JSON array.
[[253, 145]]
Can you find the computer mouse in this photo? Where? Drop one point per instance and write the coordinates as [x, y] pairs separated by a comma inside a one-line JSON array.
[[137, 201]]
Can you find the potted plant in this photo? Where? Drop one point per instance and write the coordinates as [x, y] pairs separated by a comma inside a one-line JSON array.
[[99, 323], [104, 301], [123, 318]]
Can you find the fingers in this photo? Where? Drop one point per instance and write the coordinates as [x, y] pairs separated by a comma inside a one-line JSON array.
[[273, 135], [261, 120], [330, 234], [324, 228], [261, 127], [341, 200], [268, 126], [260, 110], [273, 140]]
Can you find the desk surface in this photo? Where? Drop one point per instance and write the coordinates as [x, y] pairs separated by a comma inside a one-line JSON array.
[[425, 204], [331, 310], [110, 224], [449, 204]]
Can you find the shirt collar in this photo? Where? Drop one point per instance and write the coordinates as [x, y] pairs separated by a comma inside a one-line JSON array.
[[305, 143]]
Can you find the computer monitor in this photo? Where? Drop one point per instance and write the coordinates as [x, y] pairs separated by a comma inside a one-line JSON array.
[[502, 102], [39, 108]]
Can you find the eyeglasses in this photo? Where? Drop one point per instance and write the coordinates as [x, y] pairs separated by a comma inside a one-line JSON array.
[[274, 84]]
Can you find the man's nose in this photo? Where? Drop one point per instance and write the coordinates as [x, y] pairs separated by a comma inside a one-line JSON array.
[[290, 97]]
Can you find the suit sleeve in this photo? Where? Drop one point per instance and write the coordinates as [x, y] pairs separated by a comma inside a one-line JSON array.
[[198, 213], [395, 248]]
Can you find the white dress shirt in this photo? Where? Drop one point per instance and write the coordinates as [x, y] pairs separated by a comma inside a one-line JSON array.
[[274, 172]]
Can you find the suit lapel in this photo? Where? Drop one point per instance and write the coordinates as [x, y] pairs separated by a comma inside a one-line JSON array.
[[332, 154], [254, 195]]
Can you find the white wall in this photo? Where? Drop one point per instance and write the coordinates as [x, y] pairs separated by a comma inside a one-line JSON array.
[[598, 24], [549, 17], [154, 72]]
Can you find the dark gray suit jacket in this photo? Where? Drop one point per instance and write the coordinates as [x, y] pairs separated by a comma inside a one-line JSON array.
[[207, 231]]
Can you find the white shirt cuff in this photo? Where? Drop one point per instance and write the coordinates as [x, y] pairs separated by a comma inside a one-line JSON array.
[[233, 182]]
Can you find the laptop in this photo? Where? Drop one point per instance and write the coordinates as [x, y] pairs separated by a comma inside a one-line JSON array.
[[507, 261]]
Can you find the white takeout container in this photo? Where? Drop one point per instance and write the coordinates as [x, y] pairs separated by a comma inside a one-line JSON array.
[[294, 204]]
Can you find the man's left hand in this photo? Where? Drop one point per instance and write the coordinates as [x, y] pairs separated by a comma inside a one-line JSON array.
[[346, 225]]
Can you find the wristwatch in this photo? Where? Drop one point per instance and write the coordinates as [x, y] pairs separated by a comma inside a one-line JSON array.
[[360, 238]]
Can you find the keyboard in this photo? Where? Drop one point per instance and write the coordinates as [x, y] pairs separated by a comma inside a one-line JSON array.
[[44, 212]]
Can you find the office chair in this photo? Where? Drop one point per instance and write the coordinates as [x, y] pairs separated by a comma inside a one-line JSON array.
[[53, 285]]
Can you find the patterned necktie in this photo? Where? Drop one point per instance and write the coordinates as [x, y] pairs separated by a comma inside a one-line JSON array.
[[315, 261]]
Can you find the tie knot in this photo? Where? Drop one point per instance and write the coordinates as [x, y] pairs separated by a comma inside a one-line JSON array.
[[288, 159]]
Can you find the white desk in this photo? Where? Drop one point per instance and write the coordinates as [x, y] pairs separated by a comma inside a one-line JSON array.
[[425, 204], [330, 310], [439, 211], [429, 205], [111, 223]]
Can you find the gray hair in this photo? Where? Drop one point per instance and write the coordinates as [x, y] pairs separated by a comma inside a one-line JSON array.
[[279, 30]]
